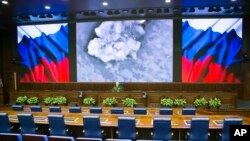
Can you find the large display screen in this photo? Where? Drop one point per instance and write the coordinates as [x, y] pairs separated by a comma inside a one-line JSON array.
[[43, 52], [125, 51], [211, 50]]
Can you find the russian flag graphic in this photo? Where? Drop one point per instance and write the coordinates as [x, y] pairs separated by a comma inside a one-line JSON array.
[[43, 50], [211, 50]]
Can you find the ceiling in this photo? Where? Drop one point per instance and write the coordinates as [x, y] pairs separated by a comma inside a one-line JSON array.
[[34, 11]]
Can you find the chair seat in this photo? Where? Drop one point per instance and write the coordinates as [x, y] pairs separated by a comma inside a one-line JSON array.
[[34, 137], [88, 139]]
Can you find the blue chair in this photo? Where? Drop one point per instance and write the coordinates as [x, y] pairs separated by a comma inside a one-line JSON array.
[[61, 138], [95, 110], [118, 140], [27, 124], [126, 128], [10, 137], [17, 107], [117, 110], [88, 139], [34, 137], [75, 109], [5, 126], [166, 111], [140, 111], [188, 111], [162, 129], [199, 129], [55, 109], [36, 108], [92, 127], [57, 125], [225, 135]]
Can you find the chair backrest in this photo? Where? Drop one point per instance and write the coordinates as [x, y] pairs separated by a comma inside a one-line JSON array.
[[37, 108], [166, 111], [34, 137], [95, 110], [117, 110], [140, 111], [27, 124], [199, 129], [10, 137], [75, 109], [188, 111], [88, 139], [225, 136], [5, 126], [17, 107], [126, 128], [55, 109], [57, 125], [92, 127], [61, 138], [162, 129]]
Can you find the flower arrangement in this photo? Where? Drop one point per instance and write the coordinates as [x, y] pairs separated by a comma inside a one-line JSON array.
[[117, 87], [109, 101], [167, 102], [89, 101], [129, 102]]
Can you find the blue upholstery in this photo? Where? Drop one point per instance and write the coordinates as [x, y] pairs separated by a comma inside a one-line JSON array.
[[166, 111], [17, 107], [95, 110], [34, 137], [55, 109], [188, 111], [27, 124], [92, 127], [162, 129], [57, 125], [75, 109], [118, 140], [5, 126], [88, 139], [199, 129], [140, 111], [36, 108], [61, 138], [10, 137], [126, 128], [117, 110], [225, 130]]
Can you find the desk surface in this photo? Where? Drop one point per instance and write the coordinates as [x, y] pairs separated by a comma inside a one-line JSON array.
[[111, 120]]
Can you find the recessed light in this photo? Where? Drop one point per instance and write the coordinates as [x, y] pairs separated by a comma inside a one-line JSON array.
[[105, 3], [233, 0], [5, 2], [47, 7], [167, 1]]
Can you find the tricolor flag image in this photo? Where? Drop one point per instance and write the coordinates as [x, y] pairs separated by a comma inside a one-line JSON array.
[[211, 50], [43, 51]]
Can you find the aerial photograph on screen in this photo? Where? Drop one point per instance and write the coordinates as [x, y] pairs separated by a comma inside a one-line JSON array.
[[211, 50], [43, 53], [125, 51]]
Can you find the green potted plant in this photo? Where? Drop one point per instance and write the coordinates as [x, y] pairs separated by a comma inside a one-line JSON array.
[[89, 101], [21, 99], [167, 102], [129, 102], [109, 101], [214, 103], [180, 102], [200, 102], [48, 100], [33, 100], [117, 87], [61, 100]]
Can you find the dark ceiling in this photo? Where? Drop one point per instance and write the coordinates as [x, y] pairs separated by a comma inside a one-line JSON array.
[[33, 11]]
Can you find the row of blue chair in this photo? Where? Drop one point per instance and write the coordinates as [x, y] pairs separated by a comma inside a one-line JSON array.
[[114, 110], [126, 127], [38, 137]]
